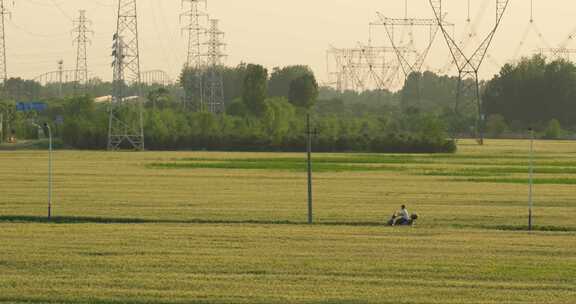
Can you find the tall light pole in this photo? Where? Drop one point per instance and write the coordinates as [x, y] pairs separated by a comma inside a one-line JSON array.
[[1, 125], [309, 167], [49, 130], [531, 180]]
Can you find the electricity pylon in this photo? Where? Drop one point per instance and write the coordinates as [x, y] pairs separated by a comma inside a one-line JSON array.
[[156, 78], [3, 70], [469, 65], [4, 110], [126, 125], [214, 83], [415, 64], [81, 29], [194, 97], [363, 68], [558, 53]]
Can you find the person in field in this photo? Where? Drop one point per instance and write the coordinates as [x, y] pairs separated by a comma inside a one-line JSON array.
[[401, 217]]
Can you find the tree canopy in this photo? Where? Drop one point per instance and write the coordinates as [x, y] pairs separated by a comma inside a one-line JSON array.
[[255, 89], [304, 91], [533, 92], [281, 78]]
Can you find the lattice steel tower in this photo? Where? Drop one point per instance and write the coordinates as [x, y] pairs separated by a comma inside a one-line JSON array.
[[214, 83], [364, 68], [3, 71], [81, 29], [195, 31], [126, 126], [468, 65]]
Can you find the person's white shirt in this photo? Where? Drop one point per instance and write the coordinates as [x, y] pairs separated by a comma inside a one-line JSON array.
[[404, 214]]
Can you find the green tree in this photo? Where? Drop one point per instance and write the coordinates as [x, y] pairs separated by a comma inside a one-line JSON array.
[[233, 82], [278, 117], [255, 89], [533, 92], [22, 90], [237, 108], [304, 91], [496, 125], [280, 79], [85, 126], [160, 99], [554, 130]]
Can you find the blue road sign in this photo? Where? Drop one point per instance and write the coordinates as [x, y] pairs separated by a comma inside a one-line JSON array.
[[31, 107]]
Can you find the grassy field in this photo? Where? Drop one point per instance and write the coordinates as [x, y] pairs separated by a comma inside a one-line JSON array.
[[198, 227]]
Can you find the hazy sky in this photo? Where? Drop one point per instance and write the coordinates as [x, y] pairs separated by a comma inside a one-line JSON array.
[[269, 32]]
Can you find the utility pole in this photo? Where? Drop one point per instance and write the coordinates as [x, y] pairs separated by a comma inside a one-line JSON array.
[[195, 31], [531, 181], [126, 124], [3, 72], [1, 125], [214, 82], [50, 181], [309, 134], [48, 131], [81, 29], [6, 115]]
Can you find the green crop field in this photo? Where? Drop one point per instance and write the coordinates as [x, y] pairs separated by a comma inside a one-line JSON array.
[[199, 227]]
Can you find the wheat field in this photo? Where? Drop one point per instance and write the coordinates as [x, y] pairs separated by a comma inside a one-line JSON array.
[[205, 227]]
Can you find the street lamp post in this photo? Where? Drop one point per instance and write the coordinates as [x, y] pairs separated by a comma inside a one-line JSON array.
[[49, 170], [309, 167], [1, 126], [4, 119], [49, 130], [531, 181]]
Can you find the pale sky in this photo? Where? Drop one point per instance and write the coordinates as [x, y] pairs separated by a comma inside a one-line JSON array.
[[268, 32]]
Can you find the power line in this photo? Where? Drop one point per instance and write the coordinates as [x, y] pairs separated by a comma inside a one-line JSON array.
[[61, 10]]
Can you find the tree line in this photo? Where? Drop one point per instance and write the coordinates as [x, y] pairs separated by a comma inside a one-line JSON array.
[[533, 93], [265, 112]]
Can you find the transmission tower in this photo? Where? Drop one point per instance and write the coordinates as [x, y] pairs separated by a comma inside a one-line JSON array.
[[362, 68], [81, 29], [214, 84], [558, 53], [3, 70], [414, 64], [194, 60], [469, 36], [156, 77], [378, 69], [469, 65], [126, 127]]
